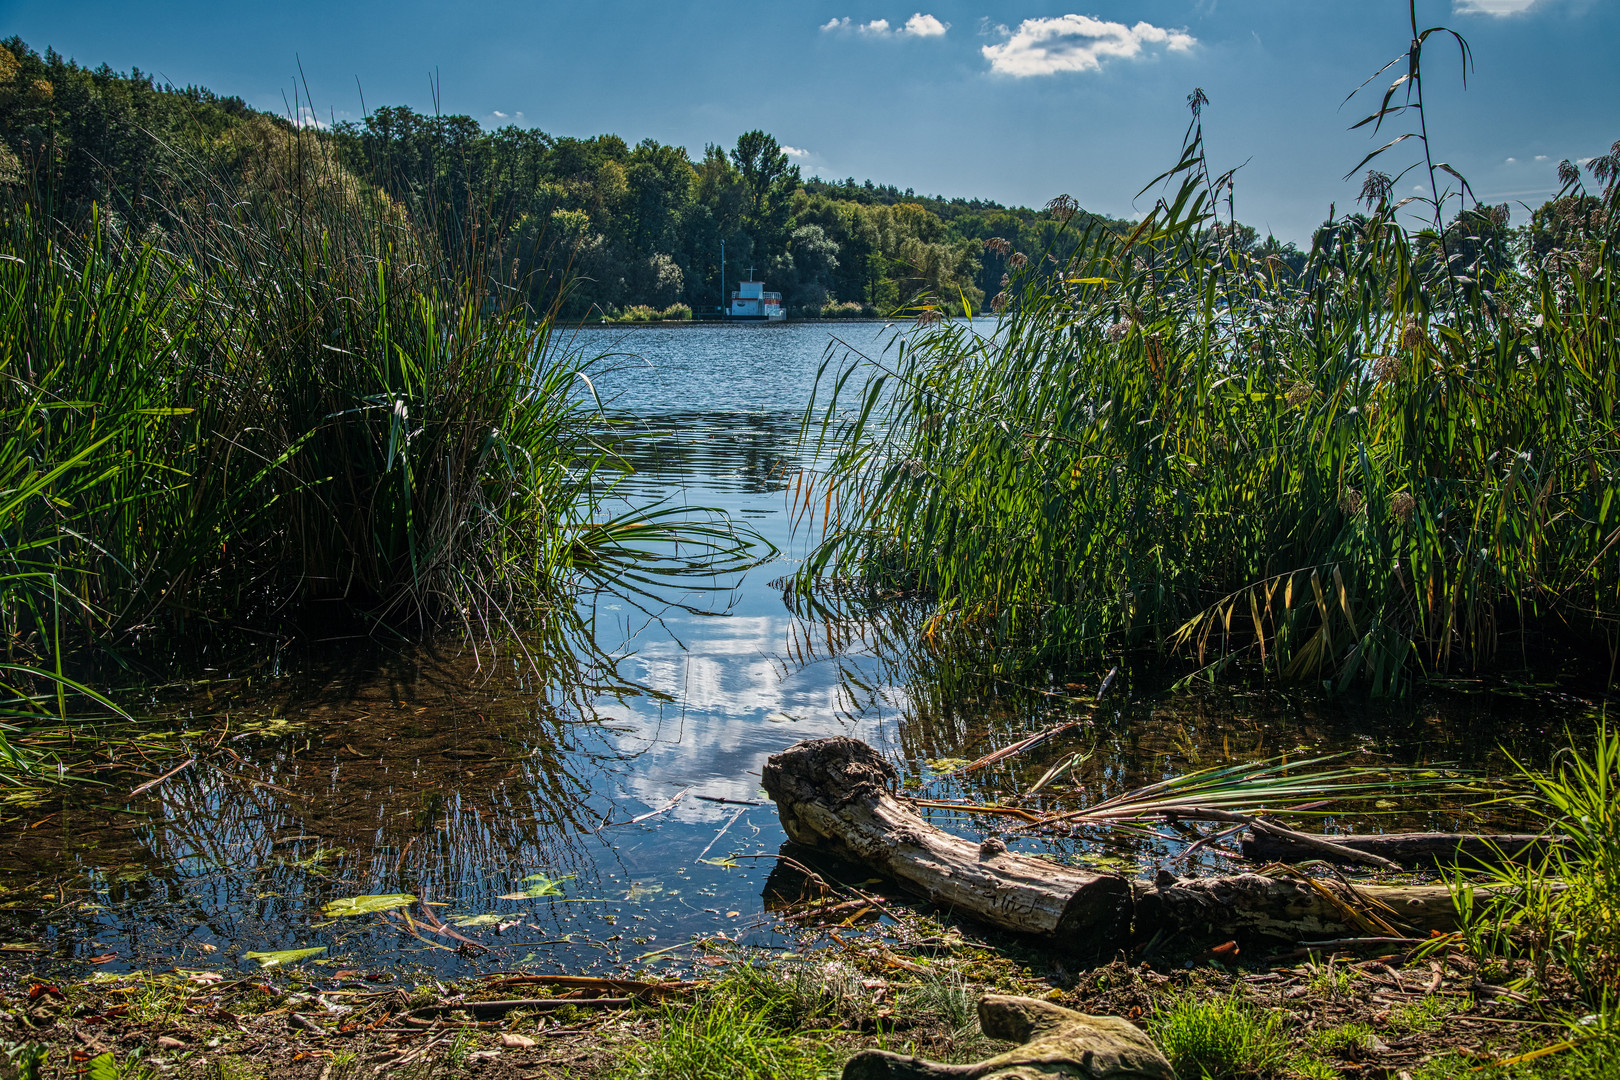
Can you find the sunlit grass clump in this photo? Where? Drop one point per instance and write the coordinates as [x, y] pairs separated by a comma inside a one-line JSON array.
[[1217, 1037]]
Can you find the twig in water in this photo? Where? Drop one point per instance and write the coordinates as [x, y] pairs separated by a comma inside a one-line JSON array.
[[732, 820], [651, 813], [150, 784]]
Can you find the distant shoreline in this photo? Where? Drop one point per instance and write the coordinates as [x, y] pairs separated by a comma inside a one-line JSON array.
[[603, 325]]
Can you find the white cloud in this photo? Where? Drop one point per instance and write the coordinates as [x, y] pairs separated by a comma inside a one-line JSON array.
[[920, 25], [1512, 161], [307, 118], [1076, 43], [1541, 157], [794, 151], [1490, 7]]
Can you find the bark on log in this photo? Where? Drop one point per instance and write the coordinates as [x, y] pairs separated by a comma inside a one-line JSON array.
[[1057, 1042], [837, 795], [1409, 849], [1257, 908]]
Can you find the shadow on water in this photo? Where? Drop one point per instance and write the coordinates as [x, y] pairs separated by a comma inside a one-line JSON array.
[[564, 829]]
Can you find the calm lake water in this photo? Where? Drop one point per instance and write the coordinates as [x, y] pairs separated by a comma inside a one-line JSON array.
[[356, 769]]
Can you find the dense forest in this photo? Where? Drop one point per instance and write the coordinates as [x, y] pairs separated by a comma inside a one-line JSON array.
[[634, 231]]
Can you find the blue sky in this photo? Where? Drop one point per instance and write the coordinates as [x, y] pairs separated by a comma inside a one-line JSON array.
[[1012, 101]]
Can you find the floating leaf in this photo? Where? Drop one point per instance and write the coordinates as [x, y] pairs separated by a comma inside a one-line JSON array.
[[538, 885], [640, 890], [365, 905], [947, 764], [283, 956], [727, 862], [489, 919]]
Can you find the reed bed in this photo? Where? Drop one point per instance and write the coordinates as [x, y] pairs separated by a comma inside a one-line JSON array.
[[1401, 462], [287, 391]]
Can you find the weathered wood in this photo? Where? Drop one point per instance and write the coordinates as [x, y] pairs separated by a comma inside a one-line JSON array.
[[1057, 1042], [1258, 908], [837, 795], [1408, 849]]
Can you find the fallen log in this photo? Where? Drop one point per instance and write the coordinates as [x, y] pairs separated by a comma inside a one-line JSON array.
[[1407, 849], [1258, 908], [837, 795], [1057, 1042]]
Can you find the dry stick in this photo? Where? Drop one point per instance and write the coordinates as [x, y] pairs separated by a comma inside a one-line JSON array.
[[809, 873], [1188, 852], [150, 784], [968, 808], [732, 820], [501, 1008], [651, 813], [1016, 748], [1358, 942], [1263, 825]]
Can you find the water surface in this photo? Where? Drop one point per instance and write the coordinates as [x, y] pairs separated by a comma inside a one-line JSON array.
[[459, 777]]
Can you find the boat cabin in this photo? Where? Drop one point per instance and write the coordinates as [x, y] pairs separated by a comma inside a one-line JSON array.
[[751, 301]]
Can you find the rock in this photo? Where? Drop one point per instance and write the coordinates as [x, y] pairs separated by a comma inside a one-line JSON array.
[[1057, 1042]]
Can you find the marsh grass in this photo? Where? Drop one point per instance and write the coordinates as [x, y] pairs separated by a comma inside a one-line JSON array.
[[725, 1039], [1565, 908], [1400, 462], [293, 391], [1217, 1038]]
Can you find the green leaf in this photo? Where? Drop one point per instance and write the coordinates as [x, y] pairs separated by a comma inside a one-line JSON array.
[[463, 921], [365, 905], [538, 885], [283, 956]]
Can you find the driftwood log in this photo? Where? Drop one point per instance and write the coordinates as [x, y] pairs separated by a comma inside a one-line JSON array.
[[1409, 849], [1057, 1042], [837, 795]]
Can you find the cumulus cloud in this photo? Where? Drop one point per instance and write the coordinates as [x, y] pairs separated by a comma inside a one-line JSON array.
[[1077, 43], [307, 118], [919, 25], [1490, 7], [794, 151]]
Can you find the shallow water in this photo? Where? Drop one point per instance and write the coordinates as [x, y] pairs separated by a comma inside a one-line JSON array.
[[449, 775]]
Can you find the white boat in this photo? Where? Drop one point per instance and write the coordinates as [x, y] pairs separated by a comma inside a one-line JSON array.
[[751, 302]]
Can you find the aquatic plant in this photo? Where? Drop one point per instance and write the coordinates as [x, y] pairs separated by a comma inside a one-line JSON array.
[[292, 392], [1400, 460]]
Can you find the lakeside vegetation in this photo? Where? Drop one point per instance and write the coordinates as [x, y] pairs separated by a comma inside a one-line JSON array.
[[266, 384], [1398, 462], [272, 373]]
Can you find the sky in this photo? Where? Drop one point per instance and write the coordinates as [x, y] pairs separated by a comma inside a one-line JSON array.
[[1012, 101]]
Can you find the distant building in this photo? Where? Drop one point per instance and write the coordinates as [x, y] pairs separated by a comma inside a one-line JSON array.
[[751, 301]]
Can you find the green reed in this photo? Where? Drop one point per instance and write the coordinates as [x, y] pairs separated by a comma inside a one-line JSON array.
[[290, 391], [1402, 460]]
